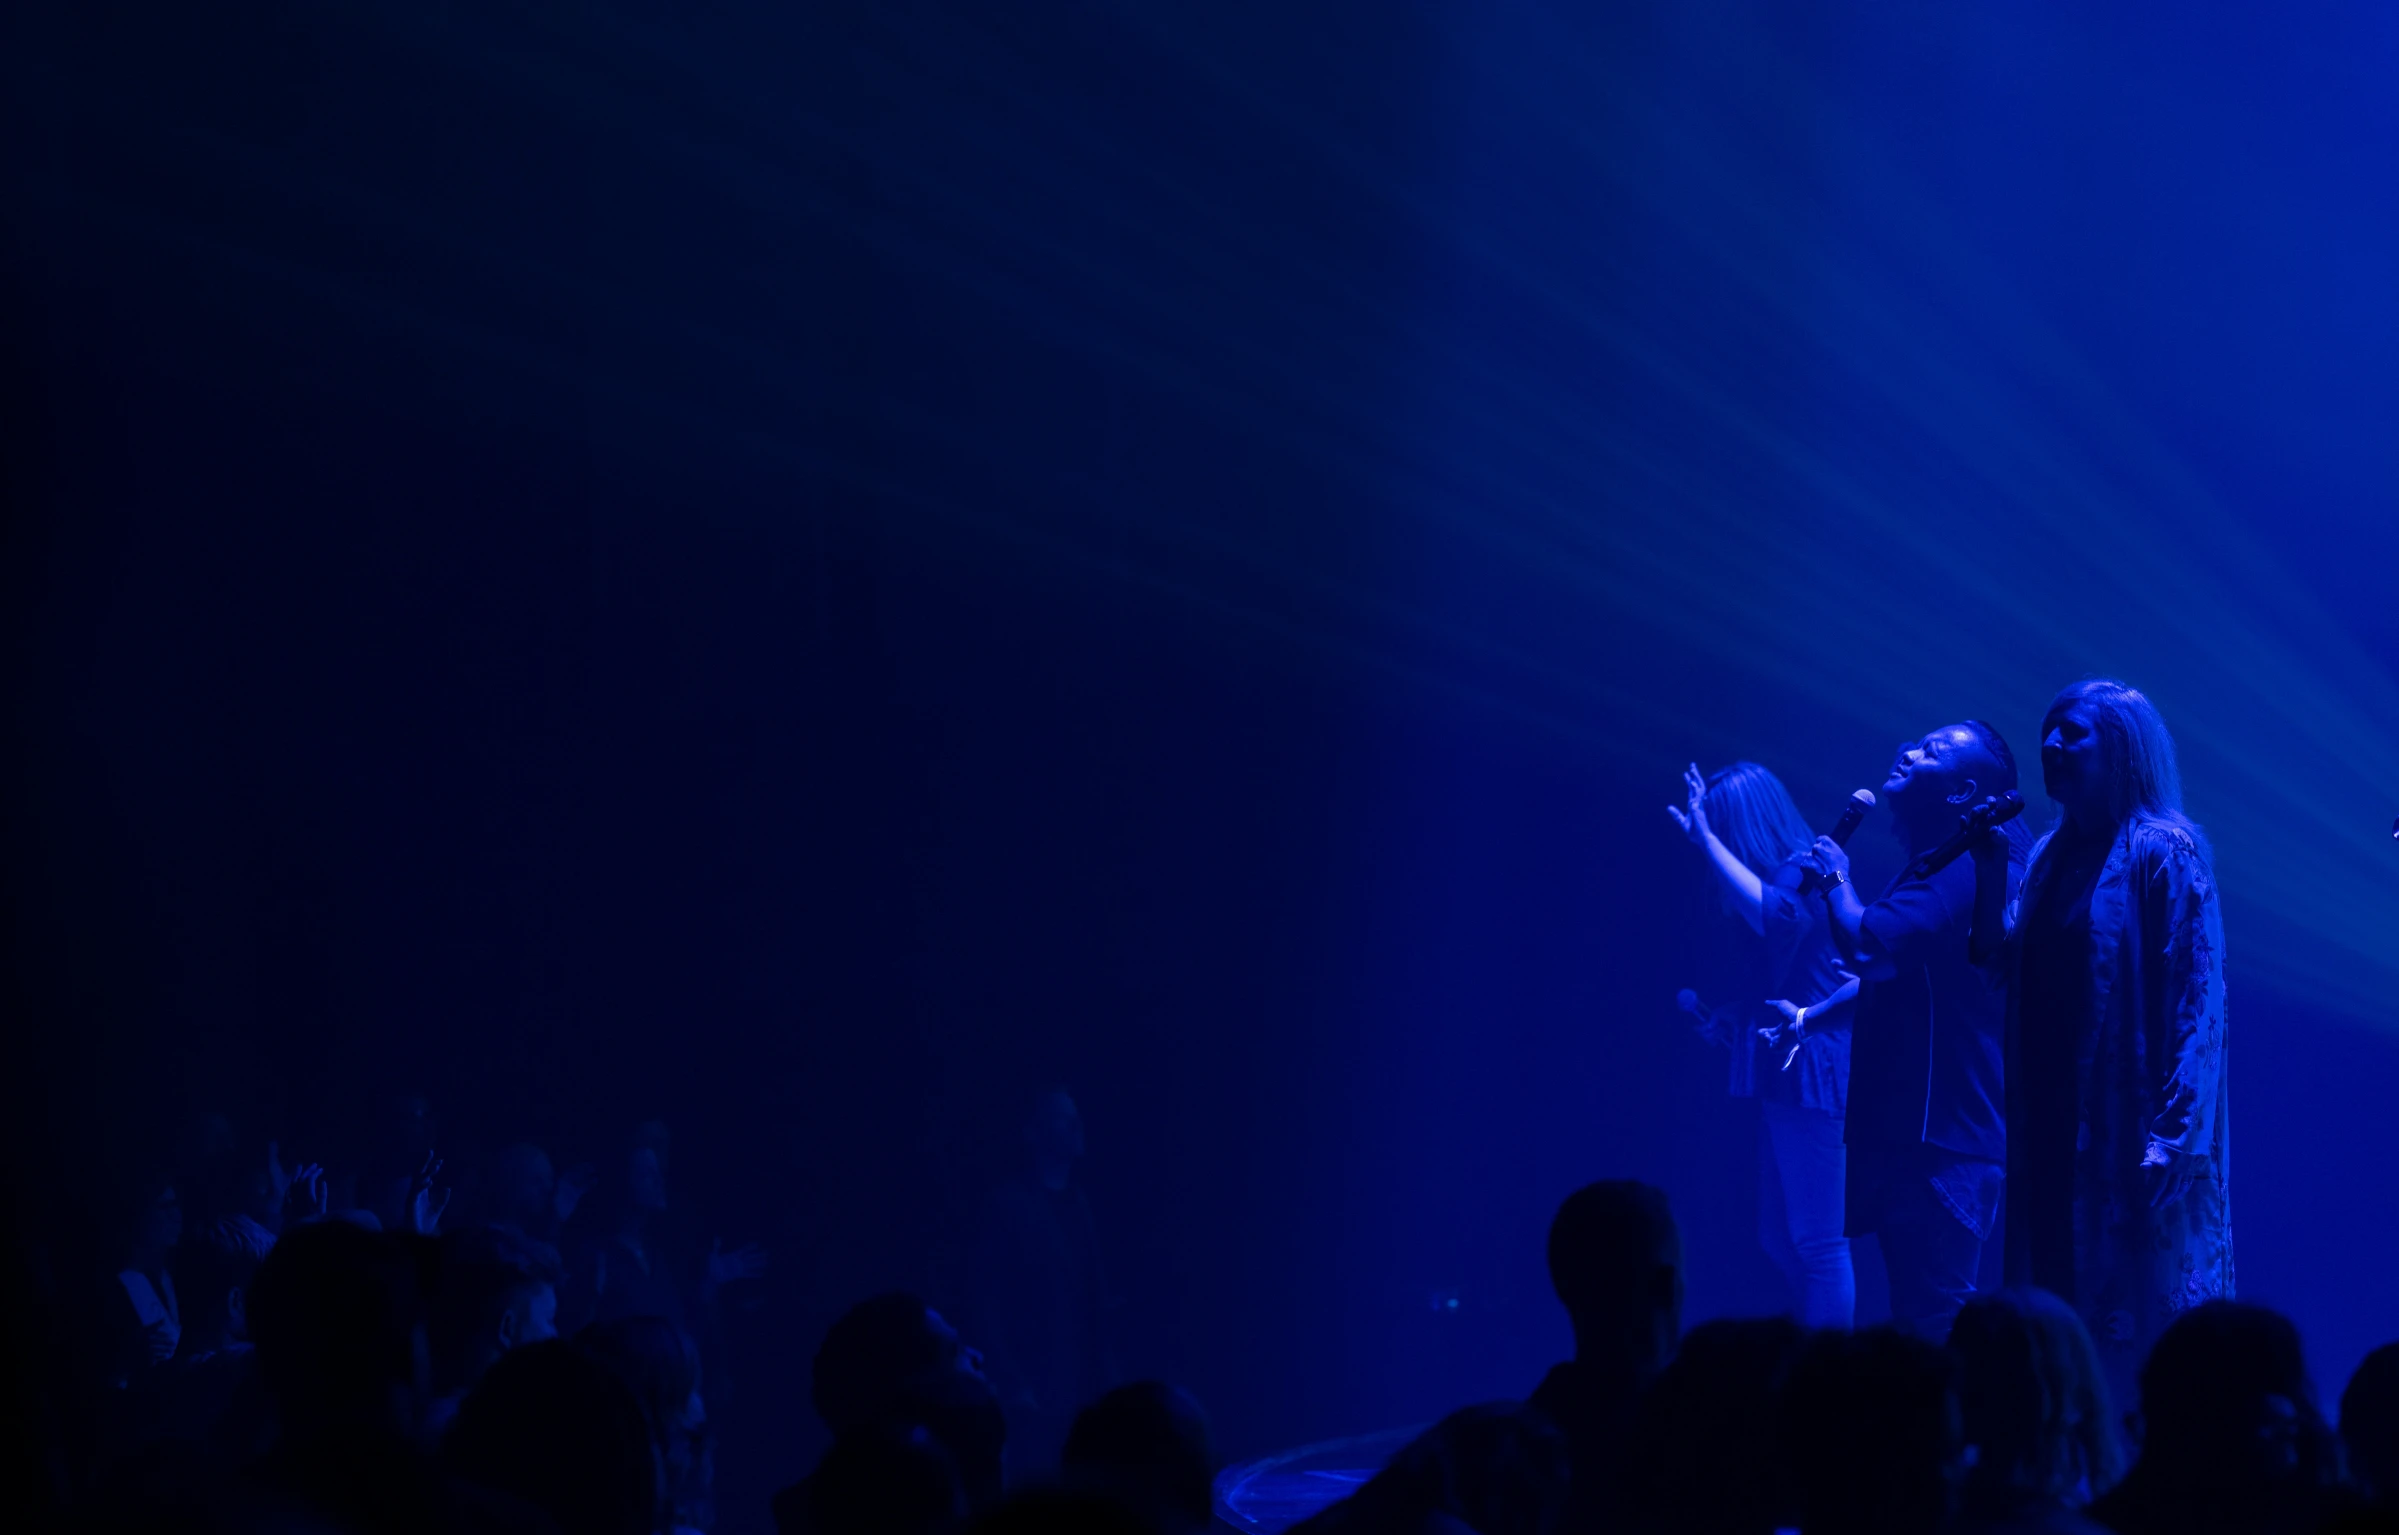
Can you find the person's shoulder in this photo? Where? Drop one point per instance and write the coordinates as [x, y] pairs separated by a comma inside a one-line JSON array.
[[1943, 896], [2172, 849], [2156, 836], [1955, 876]]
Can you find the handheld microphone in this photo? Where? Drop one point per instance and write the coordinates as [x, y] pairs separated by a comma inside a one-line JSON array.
[[1805, 878], [1688, 1001], [1998, 810], [1851, 814]]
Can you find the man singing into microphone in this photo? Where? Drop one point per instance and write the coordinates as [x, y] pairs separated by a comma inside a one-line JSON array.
[[1927, 1137]]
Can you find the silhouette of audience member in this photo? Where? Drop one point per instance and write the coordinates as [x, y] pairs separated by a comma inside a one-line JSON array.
[[892, 1362], [626, 1266], [1871, 1436], [528, 1196], [880, 1479], [214, 1368], [169, 1438], [495, 1291], [1064, 1511], [1147, 1444], [206, 1158], [144, 1314], [336, 1316], [400, 1161], [2370, 1428], [1502, 1468], [2231, 1439], [269, 1196], [217, 1272], [1616, 1261], [621, 1270], [662, 1366], [557, 1429], [1037, 1289], [1702, 1458], [2034, 1405]]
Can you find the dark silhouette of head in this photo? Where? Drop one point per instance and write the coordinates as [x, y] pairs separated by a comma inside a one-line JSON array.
[[1148, 1443], [1703, 1456], [876, 1352], [523, 1183], [1501, 1468], [893, 1360], [662, 1366], [2226, 1404], [152, 1225], [214, 1277], [336, 1313], [496, 1291], [556, 1428], [1065, 1511], [1616, 1261], [892, 1479], [2033, 1402], [644, 1192], [1870, 1434], [2370, 1425]]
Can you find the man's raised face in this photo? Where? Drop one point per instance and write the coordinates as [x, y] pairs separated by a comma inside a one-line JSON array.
[[1944, 765]]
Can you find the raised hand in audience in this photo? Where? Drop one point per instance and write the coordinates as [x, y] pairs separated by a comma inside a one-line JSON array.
[[307, 1196], [424, 1211], [724, 1268]]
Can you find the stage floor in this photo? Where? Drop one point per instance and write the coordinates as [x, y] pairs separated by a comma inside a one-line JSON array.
[[1266, 1497]]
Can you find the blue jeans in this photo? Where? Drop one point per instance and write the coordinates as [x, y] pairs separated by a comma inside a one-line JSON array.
[[1801, 1167]]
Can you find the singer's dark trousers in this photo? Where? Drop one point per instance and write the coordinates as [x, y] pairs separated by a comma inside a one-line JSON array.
[[1931, 1257]]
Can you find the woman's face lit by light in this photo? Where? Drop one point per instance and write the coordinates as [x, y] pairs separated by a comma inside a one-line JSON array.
[[2071, 769]]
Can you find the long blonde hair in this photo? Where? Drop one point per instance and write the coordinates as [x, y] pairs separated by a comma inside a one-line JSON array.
[[2136, 753], [2136, 760], [1749, 808]]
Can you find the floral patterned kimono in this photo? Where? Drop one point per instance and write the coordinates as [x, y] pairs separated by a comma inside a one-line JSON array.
[[2128, 997]]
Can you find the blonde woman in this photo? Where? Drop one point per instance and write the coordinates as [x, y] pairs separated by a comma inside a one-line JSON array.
[[1743, 820], [2119, 1139]]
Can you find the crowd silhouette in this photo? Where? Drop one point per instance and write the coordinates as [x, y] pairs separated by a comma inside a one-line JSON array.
[[285, 1350]]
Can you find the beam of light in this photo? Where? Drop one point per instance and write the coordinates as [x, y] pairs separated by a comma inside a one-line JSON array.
[[1971, 517], [1612, 392]]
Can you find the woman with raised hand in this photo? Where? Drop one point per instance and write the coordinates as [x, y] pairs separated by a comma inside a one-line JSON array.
[[1787, 1027], [2119, 1145]]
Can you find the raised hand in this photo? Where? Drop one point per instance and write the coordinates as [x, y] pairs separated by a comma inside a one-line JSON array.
[[747, 1262], [424, 1213], [568, 1193], [1693, 817], [307, 1196]]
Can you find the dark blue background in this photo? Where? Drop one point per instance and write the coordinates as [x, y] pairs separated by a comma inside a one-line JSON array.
[[809, 569]]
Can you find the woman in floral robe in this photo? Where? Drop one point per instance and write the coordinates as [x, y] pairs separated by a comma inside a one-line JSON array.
[[2119, 1143]]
